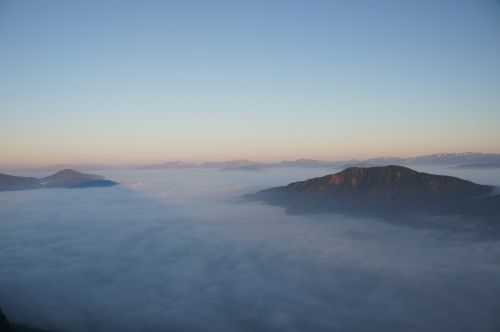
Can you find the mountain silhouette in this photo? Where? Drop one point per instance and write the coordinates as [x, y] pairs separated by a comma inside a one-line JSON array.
[[381, 190], [67, 178]]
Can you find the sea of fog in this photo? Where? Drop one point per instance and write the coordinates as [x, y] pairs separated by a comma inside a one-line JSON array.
[[179, 250]]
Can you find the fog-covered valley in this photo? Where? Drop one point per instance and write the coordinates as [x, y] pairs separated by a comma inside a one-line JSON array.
[[180, 250]]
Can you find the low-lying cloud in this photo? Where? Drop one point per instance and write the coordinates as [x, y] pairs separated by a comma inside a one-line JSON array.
[[180, 257]]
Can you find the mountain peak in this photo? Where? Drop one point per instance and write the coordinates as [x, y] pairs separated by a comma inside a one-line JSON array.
[[72, 179], [70, 175], [392, 180], [67, 171]]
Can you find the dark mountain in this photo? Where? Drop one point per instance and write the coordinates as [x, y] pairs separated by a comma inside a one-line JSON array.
[[378, 190], [6, 326], [4, 322], [63, 179], [11, 182], [487, 207], [69, 178]]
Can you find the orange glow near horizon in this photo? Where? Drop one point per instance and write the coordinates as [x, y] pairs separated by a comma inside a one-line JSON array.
[[136, 155]]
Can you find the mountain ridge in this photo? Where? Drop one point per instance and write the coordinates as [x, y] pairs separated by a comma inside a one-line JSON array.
[[437, 159], [442, 159]]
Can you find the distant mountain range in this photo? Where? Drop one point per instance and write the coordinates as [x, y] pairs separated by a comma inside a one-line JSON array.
[[307, 163], [471, 160], [77, 167], [442, 159], [384, 190], [67, 178], [239, 164], [242, 164]]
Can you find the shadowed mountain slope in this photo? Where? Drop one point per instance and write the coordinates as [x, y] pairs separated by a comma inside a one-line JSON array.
[[11, 182], [63, 179], [69, 178], [378, 190]]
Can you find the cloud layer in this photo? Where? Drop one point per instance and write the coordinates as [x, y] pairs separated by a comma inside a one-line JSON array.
[[174, 253]]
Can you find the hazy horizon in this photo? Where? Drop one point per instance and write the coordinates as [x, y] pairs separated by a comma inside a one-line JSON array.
[[201, 161]]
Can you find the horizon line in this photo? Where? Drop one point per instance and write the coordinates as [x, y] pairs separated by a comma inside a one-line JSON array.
[[257, 161]]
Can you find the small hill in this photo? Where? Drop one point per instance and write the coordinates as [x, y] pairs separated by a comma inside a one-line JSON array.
[[67, 178]]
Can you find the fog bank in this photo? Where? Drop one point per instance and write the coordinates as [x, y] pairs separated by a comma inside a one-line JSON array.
[[179, 251]]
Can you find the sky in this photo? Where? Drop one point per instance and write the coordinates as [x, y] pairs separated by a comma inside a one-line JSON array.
[[152, 81]]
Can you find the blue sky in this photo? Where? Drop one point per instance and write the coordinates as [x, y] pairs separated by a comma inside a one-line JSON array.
[[148, 81]]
